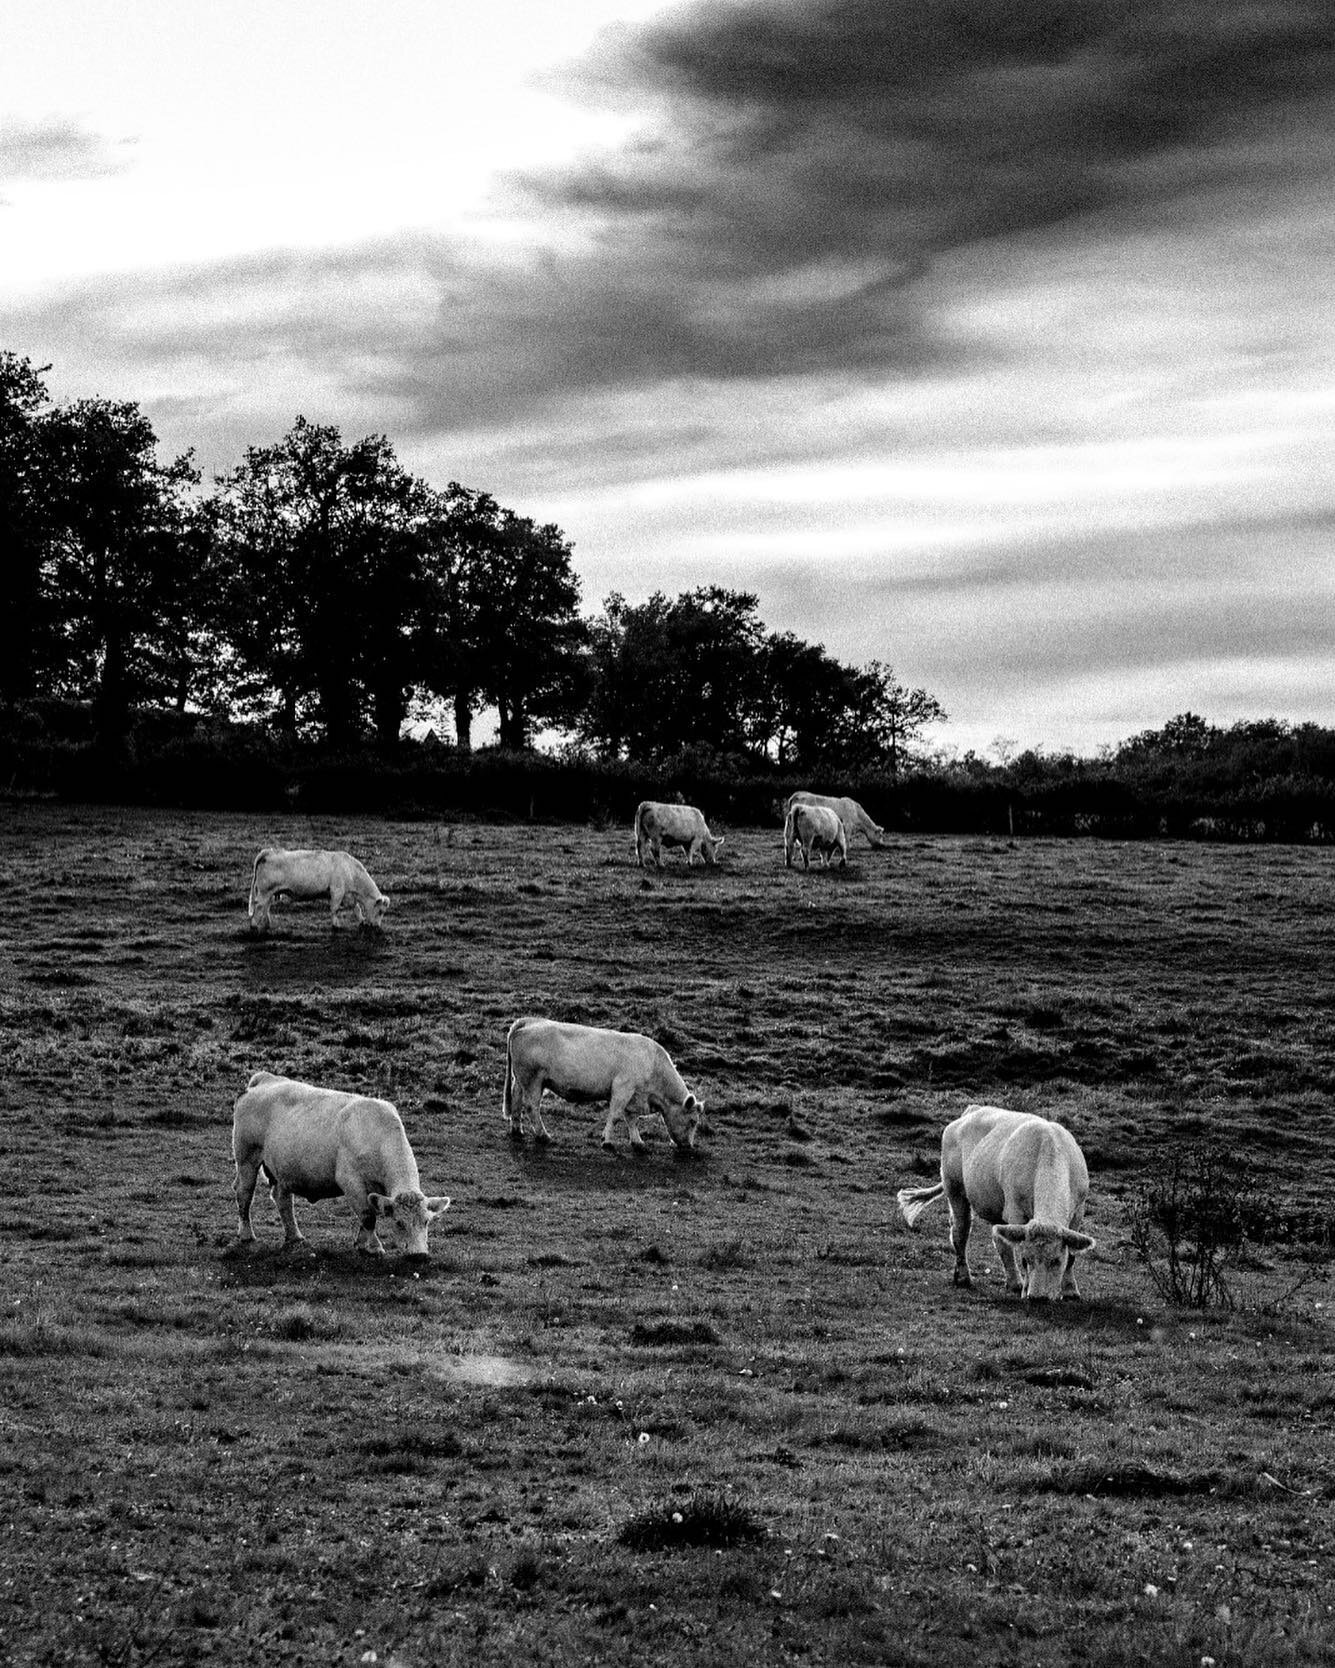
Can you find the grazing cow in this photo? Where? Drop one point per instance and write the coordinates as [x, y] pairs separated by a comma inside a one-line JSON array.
[[317, 1143], [631, 1072], [674, 825], [849, 812], [814, 828], [313, 874], [1027, 1177]]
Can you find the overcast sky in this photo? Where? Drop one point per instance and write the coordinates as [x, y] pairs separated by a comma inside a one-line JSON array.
[[993, 339]]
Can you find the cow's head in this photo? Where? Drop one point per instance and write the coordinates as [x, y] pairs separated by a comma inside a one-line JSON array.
[[408, 1215], [683, 1122], [710, 847], [1043, 1253], [374, 909]]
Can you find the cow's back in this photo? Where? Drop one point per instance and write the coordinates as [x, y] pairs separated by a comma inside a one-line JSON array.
[[300, 1131], [1014, 1165]]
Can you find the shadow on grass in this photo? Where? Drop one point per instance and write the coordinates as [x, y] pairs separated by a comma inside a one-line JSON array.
[[273, 1265], [595, 1169]]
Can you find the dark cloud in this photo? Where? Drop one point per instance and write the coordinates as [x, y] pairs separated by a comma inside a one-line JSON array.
[[57, 150], [809, 162]]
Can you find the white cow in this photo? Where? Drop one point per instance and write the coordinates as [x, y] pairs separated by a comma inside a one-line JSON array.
[[814, 828], [318, 1143], [674, 825], [1026, 1176], [633, 1073], [849, 812], [335, 875]]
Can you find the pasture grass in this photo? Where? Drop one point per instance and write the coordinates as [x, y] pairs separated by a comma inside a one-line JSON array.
[[211, 1456]]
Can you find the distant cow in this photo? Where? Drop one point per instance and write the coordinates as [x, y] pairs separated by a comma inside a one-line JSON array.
[[814, 828], [1026, 1176], [318, 1143], [849, 812], [632, 1073], [673, 825], [313, 874]]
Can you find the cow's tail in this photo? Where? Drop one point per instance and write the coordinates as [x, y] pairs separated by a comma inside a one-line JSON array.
[[639, 833], [507, 1093], [788, 824], [913, 1201], [255, 880]]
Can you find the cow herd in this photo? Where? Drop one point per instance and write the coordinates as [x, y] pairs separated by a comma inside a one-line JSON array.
[[1021, 1174]]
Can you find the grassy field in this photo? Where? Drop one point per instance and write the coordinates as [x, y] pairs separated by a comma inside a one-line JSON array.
[[726, 1409]]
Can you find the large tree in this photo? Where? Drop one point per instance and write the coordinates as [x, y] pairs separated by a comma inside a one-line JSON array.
[[883, 718], [23, 526], [118, 588], [321, 544], [675, 673], [505, 626]]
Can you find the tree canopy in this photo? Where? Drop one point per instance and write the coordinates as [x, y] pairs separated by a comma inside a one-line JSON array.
[[321, 589]]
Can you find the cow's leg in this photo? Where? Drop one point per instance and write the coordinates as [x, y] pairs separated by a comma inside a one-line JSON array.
[[335, 902], [637, 1107], [1070, 1287], [1014, 1284], [618, 1106], [961, 1218], [247, 1174], [656, 846], [292, 1234], [259, 915], [540, 1131], [354, 1190]]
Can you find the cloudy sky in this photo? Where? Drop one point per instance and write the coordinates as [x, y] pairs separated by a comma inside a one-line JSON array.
[[989, 338]]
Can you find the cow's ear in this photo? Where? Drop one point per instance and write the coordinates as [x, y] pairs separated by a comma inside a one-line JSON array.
[[437, 1205], [1074, 1241], [1011, 1232], [690, 1104], [382, 1205]]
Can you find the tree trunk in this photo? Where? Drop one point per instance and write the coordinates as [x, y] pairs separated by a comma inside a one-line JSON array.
[[389, 715], [513, 728], [463, 722], [112, 705]]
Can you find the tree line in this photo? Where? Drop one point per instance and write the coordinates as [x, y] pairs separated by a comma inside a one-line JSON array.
[[267, 637], [321, 589]]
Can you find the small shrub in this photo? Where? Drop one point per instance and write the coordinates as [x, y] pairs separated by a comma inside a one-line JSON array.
[[706, 1519], [1190, 1230]]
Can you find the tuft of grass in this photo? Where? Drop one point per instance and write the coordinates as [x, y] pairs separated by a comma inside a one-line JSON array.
[[412, 1448], [707, 1519], [662, 1333], [298, 1322], [727, 1253]]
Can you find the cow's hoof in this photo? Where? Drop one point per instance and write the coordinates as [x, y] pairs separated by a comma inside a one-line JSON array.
[[516, 1135], [962, 1280], [542, 1139]]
